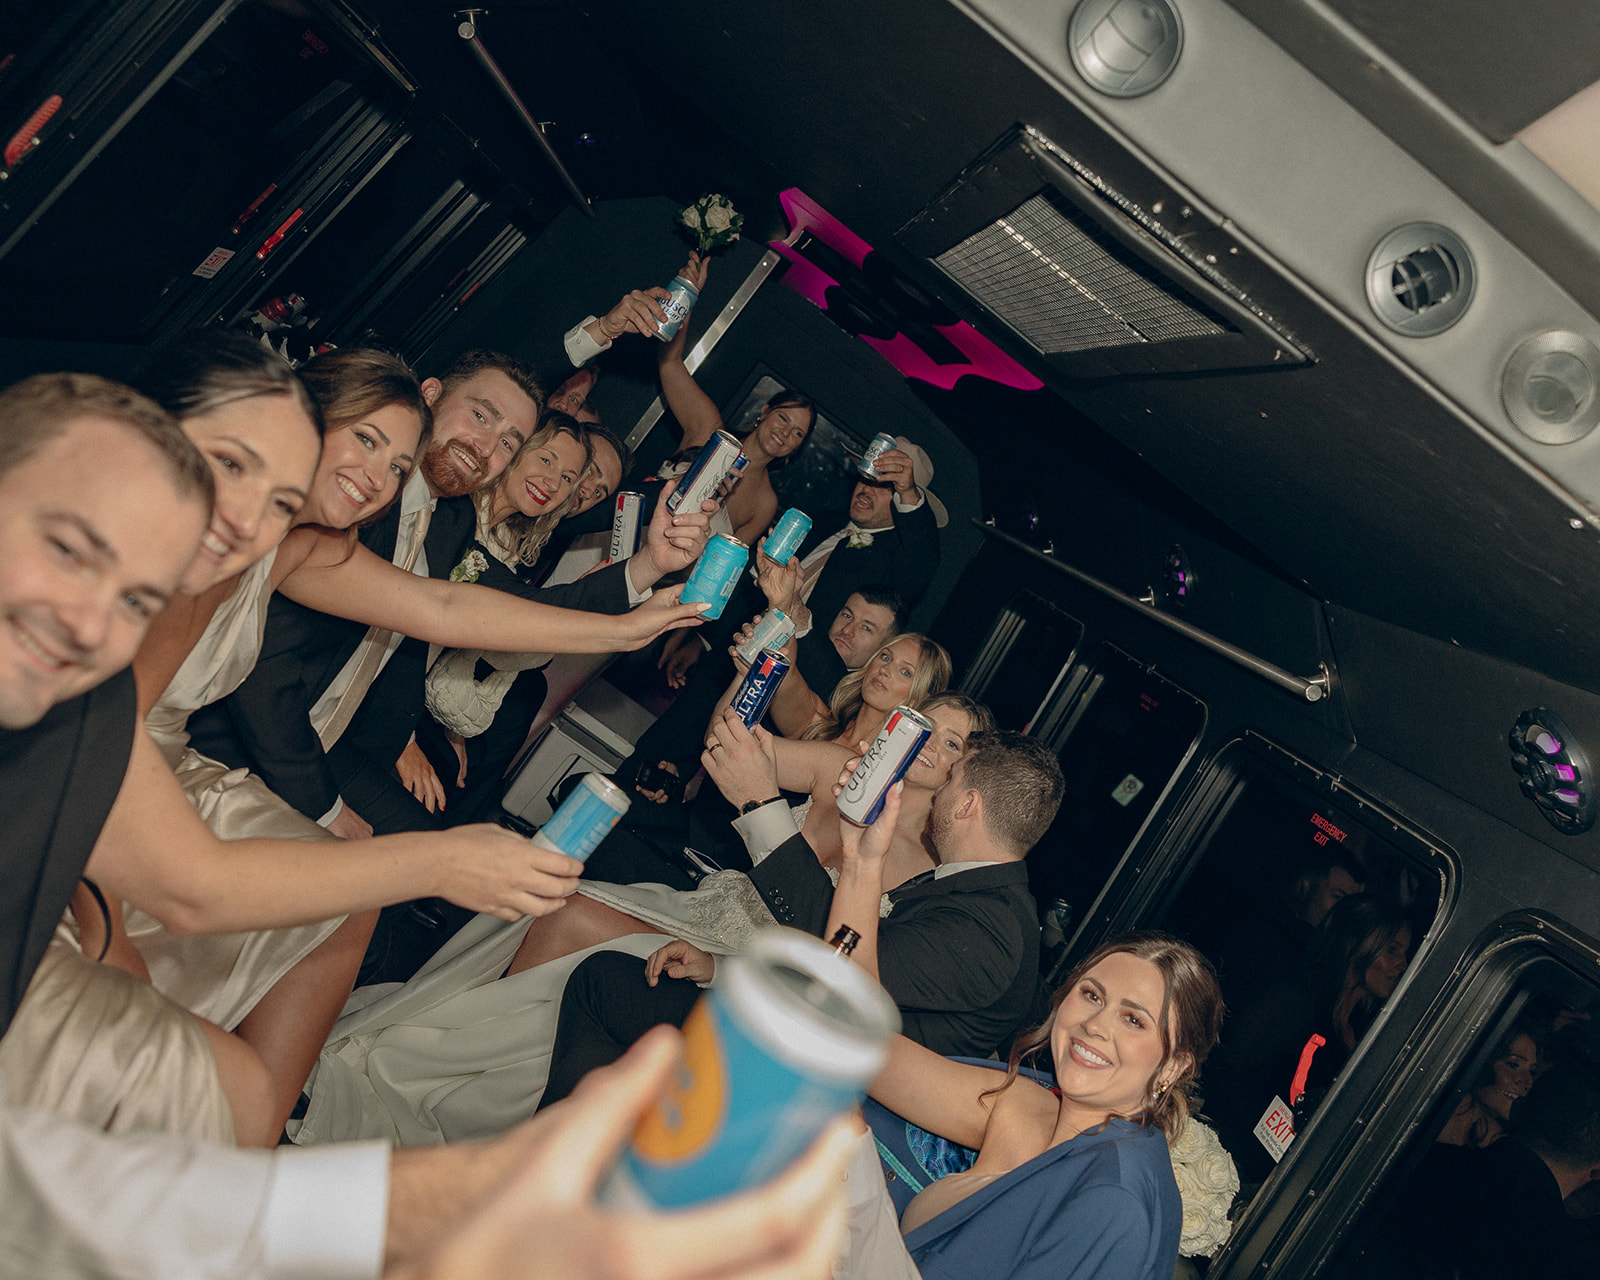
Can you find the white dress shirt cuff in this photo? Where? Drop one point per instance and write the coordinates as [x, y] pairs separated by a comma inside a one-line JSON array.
[[580, 344], [338, 808], [909, 506], [764, 829], [326, 1212]]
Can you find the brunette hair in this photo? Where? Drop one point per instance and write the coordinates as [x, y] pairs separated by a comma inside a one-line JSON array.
[[931, 676], [1189, 1022], [787, 400], [352, 383], [1351, 936], [524, 537], [1020, 781], [476, 361], [610, 437], [210, 368], [39, 409]]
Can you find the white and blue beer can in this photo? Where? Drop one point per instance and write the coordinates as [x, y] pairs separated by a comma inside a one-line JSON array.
[[881, 444], [773, 630], [678, 304], [627, 527], [720, 460], [585, 818], [786, 536], [789, 1038], [716, 574], [887, 759]]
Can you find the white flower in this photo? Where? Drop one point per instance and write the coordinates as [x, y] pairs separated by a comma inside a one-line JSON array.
[[472, 564], [884, 907], [860, 538], [719, 217], [691, 218], [1208, 1182]]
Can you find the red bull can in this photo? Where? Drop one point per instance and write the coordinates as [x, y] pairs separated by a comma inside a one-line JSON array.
[[885, 763], [760, 683], [786, 536], [881, 443], [716, 574], [774, 630], [626, 526], [678, 305], [585, 818], [789, 1038], [720, 460]]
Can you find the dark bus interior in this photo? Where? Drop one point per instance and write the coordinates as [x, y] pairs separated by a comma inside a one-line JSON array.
[[1260, 381]]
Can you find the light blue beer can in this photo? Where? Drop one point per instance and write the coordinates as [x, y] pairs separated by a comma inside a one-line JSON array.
[[585, 818], [678, 305], [789, 1037], [786, 536], [716, 574]]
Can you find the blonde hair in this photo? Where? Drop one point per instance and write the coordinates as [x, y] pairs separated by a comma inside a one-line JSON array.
[[522, 537], [931, 677]]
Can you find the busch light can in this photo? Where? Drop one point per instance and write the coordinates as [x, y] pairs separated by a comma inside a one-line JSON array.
[[789, 1038], [786, 536], [760, 683], [716, 574], [585, 817], [881, 443], [626, 527], [774, 630], [885, 763], [678, 304], [720, 459]]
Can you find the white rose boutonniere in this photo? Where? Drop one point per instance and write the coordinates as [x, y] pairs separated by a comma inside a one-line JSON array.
[[472, 564], [884, 907], [1208, 1182], [714, 221], [860, 538]]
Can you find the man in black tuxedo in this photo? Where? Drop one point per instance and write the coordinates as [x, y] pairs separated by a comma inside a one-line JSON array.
[[958, 951]]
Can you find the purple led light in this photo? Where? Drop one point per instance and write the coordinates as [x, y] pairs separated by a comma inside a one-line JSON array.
[[1567, 797], [1566, 773], [1548, 743]]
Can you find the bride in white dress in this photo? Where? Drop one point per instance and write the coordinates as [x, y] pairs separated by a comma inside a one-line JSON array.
[[462, 1052]]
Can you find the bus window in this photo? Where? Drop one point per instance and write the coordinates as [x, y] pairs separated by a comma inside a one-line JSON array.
[[1496, 1182], [1021, 669], [1311, 918], [1122, 743]]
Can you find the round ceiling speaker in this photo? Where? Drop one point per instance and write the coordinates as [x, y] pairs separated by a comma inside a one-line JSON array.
[[1125, 48], [1551, 387], [1177, 575], [1420, 279], [1553, 771]]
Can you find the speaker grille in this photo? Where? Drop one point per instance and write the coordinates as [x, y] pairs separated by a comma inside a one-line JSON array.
[[1061, 283]]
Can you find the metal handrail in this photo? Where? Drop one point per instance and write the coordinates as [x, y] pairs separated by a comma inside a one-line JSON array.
[[1312, 689], [468, 31]]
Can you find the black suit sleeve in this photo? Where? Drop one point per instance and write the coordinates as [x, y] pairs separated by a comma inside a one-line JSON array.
[[950, 953], [794, 886], [916, 558]]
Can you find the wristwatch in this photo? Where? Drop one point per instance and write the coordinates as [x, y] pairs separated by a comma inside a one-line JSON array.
[[750, 806]]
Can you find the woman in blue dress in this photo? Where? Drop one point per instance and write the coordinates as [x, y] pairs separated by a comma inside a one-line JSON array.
[[1074, 1182]]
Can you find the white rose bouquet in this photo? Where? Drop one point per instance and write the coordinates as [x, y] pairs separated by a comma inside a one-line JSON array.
[[713, 220], [1208, 1182]]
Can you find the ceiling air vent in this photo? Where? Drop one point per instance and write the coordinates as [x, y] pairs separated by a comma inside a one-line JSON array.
[[1086, 278], [1420, 279]]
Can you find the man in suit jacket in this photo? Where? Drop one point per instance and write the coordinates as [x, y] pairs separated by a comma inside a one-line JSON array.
[[958, 950]]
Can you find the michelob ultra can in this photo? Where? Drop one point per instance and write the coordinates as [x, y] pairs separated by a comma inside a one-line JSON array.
[[716, 574], [885, 763], [585, 817], [760, 683], [881, 443], [786, 536], [719, 459], [626, 526], [774, 630], [678, 305], [789, 1038]]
